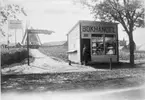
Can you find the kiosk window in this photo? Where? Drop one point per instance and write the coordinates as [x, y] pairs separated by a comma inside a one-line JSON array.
[[110, 44], [97, 44]]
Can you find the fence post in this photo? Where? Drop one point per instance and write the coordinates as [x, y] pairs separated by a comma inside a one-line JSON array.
[[110, 63], [69, 62]]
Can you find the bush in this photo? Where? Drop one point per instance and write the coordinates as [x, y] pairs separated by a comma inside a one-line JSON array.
[[13, 55], [124, 55]]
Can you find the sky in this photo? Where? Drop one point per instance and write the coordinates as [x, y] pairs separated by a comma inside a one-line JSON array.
[[59, 16]]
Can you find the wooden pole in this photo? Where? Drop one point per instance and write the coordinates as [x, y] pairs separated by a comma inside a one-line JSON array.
[[28, 46], [69, 62], [110, 63]]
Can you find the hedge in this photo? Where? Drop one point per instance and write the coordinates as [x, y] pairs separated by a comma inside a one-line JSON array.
[[13, 55]]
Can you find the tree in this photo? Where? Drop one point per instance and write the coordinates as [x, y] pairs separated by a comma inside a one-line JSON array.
[[9, 11], [129, 13]]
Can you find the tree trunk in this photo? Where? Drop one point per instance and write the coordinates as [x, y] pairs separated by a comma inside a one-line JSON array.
[[131, 48]]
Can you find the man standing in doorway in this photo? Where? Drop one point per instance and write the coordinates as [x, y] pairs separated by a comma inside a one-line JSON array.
[[85, 55]]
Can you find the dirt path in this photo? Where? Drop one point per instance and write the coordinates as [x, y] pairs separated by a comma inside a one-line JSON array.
[[45, 64]]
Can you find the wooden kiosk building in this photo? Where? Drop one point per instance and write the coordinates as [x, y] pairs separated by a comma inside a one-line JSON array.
[[100, 37]]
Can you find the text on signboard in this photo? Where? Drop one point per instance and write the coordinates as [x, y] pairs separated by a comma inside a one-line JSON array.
[[98, 29]]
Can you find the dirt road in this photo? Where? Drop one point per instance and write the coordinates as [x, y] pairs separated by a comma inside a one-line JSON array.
[[45, 64]]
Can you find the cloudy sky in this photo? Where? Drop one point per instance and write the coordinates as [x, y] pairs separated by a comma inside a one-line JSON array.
[[60, 16]]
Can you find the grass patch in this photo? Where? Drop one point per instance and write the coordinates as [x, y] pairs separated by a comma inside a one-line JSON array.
[[56, 52], [138, 55]]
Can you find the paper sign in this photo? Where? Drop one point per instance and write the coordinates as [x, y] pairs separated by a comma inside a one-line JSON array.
[[14, 24]]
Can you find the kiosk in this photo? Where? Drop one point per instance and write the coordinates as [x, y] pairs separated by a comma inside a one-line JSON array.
[[101, 38]]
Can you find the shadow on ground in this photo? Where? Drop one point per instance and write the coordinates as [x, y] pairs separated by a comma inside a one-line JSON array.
[[114, 65], [29, 84]]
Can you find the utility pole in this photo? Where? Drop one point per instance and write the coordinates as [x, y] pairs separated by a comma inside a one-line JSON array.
[[28, 46]]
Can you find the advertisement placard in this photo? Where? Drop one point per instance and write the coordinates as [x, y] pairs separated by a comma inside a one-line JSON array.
[[15, 24]]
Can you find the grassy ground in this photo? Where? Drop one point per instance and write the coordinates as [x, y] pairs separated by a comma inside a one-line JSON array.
[[58, 52], [138, 55], [109, 79]]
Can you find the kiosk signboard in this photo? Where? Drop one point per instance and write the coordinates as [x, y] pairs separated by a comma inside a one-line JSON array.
[[99, 27]]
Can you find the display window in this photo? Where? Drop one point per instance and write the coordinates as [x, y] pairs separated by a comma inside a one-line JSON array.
[[97, 44], [110, 44], [103, 44]]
